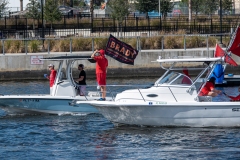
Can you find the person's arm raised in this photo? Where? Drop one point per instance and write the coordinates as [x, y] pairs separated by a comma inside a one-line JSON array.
[[92, 56]]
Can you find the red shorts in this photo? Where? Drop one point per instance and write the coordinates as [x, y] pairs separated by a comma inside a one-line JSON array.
[[101, 78]]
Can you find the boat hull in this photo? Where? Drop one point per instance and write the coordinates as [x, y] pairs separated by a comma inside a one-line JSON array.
[[181, 114], [42, 104]]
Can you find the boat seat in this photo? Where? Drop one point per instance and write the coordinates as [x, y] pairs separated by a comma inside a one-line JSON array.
[[204, 99]]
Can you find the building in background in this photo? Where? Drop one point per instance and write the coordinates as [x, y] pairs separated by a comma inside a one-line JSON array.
[[21, 5], [237, 6]]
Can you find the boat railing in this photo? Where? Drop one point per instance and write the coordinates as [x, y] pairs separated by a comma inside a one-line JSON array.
[[204, 98], [113, 90]]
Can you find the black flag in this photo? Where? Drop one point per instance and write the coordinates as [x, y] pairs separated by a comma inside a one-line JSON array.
[[120, 51]]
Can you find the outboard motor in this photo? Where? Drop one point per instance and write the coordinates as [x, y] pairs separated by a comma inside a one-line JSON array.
[[218, 73]]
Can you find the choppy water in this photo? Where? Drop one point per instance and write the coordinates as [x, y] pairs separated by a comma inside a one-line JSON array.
[[93, 137]]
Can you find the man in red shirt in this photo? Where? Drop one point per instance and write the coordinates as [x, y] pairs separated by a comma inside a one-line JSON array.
[[101, 70], [208, 89], [51, 77]]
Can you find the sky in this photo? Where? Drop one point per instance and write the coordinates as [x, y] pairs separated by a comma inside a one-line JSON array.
[[15, 4]]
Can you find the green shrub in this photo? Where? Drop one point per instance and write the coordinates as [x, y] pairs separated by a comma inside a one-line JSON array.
[[130, 41], [143, 23], [63, 45], [226, 40], [180, 42], [13, 46], [17, 46], [211, 41], [153, 43], [100, 43], [155, 22], [143, 43], [133, 42], [33, 46], [194, 42], [130, 23], [51, 44], [81, 44], [170, 42], [7, 46]]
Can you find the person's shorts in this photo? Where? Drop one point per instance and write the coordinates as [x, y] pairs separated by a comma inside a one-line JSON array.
[[101, 79], [82, 90]]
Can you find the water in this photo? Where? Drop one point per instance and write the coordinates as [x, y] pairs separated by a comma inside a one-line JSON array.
[[94, 137]]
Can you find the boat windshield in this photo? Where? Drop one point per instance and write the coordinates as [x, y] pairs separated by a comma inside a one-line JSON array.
[[175, 78]]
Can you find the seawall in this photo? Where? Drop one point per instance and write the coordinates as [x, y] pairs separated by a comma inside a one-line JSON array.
[[19, 66]]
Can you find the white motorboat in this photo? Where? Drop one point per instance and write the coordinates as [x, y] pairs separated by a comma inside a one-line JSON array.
[[170, 102], [60, 101]]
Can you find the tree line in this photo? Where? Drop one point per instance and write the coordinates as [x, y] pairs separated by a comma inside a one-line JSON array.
[[208, 7], [119, 9]]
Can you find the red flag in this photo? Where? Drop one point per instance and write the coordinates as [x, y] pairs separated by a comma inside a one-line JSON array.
[[234, 45], [219, 52], [233, 98], [236, 51], [229, 60]]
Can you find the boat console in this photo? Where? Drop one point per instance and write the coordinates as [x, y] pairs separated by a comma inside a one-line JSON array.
[[64, 84]]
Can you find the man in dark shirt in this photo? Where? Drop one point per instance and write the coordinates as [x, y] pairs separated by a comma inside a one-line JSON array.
[[82, 80]]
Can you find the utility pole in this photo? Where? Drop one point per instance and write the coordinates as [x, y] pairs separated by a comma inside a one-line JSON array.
[[159, 9], [221, 21], [190, 10], [21, 5], [42, 25], [91, 14]]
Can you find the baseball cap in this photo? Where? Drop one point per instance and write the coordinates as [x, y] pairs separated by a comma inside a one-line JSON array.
[[102, 52], [212, 79], [50, 65], [81, 65]]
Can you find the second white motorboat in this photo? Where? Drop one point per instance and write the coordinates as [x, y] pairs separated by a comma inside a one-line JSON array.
[[171, 102]]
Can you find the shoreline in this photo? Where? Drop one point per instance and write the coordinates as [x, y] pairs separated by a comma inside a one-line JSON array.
[[19, 67], [131, 74]]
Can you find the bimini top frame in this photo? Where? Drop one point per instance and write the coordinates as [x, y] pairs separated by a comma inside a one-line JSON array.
[[210, 62], [61, 58], [68, 72]]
